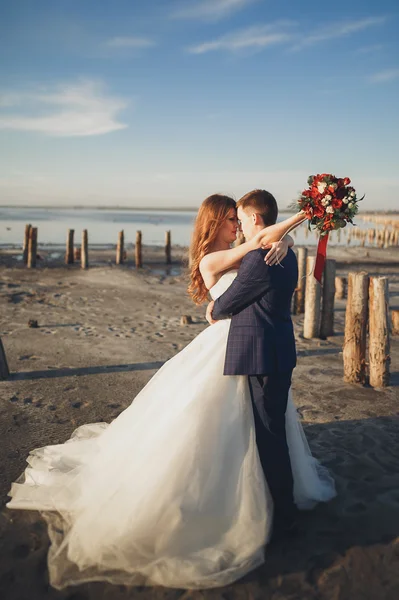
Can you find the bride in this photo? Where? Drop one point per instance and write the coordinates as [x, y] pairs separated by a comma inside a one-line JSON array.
[[172, 492]]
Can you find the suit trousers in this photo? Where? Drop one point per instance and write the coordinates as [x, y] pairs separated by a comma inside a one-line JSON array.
[[269, 395]]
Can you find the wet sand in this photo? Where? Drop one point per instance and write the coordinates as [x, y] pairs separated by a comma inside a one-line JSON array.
[[103, 333]]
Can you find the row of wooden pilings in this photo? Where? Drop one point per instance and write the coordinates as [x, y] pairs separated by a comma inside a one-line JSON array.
[[367, 311], [381, 238], [82, 253]]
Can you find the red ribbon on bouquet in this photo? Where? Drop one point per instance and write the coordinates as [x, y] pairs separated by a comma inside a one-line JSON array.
[[321, 257]]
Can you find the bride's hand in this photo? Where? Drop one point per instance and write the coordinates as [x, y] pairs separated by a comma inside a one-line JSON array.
[[278, 251]]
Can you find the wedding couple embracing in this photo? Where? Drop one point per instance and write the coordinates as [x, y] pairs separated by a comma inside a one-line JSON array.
[[185, 487]]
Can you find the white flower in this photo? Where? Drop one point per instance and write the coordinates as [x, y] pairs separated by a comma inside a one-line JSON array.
[[345, 200], [351, 205], [321, 187], [329, 209], [352, 194], [325, 202], [328, 197]]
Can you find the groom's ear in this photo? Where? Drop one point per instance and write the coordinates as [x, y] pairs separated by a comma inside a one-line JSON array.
[[257, 219]]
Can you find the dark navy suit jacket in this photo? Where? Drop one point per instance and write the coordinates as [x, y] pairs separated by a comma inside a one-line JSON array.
[[261, 339]]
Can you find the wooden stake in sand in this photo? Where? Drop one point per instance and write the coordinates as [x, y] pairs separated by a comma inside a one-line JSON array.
[[84, 251], [327, 313], [340, 288], [69, 247], [354, 351], [26, 244], [299, 297], [311, 325], [32, 247], [138, 253], [168, 247], [119, 248], [379, 343], [4, 370], [186, 320], [395, 322]]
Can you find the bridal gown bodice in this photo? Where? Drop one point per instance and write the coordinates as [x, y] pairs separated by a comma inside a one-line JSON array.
[[172, 491]]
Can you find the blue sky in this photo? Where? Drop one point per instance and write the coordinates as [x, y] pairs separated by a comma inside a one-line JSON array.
[[150, 102]]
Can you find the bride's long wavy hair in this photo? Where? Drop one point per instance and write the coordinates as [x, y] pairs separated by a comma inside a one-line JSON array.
[[210, 218]]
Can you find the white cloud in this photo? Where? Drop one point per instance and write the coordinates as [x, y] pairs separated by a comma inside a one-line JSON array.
[[210, 9], [254, 38], [7, 100], [369, 49], [384, 76], [337, 30], [135, 43], [80, 109]]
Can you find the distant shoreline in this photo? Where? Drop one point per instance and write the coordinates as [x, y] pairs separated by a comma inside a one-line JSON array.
[[155, 209], [88, 207]]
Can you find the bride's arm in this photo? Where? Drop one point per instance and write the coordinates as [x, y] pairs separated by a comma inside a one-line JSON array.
[[223, 260], [273, 233]]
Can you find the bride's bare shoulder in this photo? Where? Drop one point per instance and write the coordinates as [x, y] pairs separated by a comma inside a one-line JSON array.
[[207, 274]]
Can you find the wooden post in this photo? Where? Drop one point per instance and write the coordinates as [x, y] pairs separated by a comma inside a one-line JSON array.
[[32, 247], [26, 244], [4, 370], [379, 342], [186, 320], [138, 253], [327, 313], [168, 248], [340, 288], [119, 248], [69, 247], [354, 351], [311, 325], [299, 297], [84, 251], [395, 322]]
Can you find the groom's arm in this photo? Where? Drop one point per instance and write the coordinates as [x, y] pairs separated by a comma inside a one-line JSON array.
[[251, 283]]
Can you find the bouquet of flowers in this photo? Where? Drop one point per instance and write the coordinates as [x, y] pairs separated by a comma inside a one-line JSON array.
[[329, 203]]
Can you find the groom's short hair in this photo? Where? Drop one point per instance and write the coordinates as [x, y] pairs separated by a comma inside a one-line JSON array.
[[263, 203]]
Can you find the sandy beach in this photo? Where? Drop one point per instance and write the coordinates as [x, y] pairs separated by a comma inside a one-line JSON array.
[[101, 335]]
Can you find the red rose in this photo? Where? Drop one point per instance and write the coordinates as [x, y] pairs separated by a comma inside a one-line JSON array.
[[346, 181], [319, 211], [336, 203], [314, 193]]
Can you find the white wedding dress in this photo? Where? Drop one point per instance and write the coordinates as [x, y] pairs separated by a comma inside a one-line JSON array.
[[172, 492]]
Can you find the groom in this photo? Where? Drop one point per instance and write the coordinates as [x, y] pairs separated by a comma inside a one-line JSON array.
[[261, 344]]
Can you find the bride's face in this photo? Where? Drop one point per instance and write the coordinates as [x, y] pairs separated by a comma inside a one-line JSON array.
[[228, 231]]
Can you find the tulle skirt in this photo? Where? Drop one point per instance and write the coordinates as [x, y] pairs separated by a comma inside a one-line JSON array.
[[172, 492]]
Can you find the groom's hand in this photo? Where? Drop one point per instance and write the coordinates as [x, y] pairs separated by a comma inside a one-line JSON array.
[[208, 315]]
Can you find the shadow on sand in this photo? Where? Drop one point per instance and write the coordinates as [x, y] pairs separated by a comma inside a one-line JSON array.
[[80, 371]]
